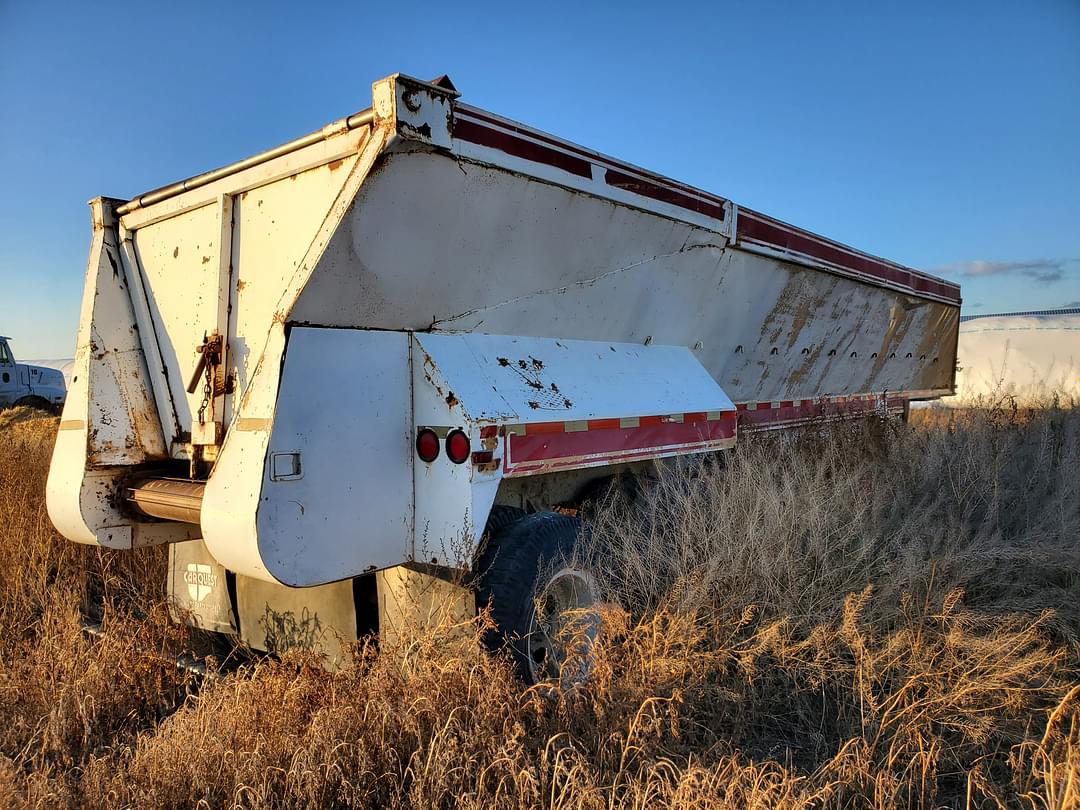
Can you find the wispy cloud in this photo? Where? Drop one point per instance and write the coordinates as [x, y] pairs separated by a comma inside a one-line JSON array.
[[1042, 271], [1071, 305]]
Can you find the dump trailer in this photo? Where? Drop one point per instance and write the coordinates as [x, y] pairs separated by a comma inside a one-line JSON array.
[[323, 372]]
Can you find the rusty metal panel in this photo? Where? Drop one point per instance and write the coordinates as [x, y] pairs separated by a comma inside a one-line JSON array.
[[274, 227], [452, 246], [180, 264]]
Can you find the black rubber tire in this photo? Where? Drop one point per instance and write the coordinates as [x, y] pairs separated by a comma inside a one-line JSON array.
[[502, 516], [508, 569], [38, 403]]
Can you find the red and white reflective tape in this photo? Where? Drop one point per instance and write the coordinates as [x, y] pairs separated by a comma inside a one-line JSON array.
[[791, 412], [547, 446], [540, 447]]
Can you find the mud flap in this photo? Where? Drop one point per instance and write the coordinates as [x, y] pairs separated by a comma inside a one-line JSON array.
[[199, 589]]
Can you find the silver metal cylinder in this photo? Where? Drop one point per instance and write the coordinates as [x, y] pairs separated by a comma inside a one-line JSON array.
[[168, 498], [359, 119]]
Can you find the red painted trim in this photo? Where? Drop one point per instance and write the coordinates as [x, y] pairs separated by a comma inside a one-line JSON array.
[[604, 424], [796, 411], [476, 126], [529, 447], [489, 431], [596, 157], [519, 147], [758, 228], [546, 427], [646, 188]]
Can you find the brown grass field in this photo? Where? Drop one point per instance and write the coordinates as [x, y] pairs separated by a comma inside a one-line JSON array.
[[884, 616]]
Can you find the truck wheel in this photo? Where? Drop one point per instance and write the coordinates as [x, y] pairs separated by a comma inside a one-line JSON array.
[[37, 403], [525, 574]]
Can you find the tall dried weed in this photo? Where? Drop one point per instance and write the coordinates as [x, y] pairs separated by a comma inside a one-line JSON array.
[[869, 616]]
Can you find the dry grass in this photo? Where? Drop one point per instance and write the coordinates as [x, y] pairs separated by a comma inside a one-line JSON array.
[[881, 617]]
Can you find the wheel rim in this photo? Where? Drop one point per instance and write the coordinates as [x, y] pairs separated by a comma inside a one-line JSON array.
[[562, 626]]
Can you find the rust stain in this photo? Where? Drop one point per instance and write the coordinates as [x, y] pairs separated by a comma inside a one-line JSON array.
[[176, 251], [240, 284], [810, 358], [335, 164], [901, 318], [451, 400], [205, 259]]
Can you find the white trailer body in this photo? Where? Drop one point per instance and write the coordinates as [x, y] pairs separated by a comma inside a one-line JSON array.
[[1030, 357], [263, 348]]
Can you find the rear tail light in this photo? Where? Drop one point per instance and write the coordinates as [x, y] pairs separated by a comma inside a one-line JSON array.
[[457, 447], [427, 445]]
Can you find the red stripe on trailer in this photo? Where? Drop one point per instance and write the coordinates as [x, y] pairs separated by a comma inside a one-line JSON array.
[[596, 157], [604, 424], [527, 448], [763, 415], [520, 147], [647, 188], [546, 427], [755, 227]]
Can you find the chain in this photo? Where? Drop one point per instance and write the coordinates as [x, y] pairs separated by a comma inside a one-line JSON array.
[[211, 351], [208, 391]]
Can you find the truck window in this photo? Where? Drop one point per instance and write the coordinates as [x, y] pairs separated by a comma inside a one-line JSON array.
[[5, 355]]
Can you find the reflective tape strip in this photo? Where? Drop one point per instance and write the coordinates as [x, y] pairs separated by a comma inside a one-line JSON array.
[[254, 425]]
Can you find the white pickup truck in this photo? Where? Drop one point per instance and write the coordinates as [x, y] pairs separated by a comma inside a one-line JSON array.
[[27, 384], [320, 370]]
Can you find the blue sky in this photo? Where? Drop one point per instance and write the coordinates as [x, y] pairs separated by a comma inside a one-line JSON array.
[[941, 135]]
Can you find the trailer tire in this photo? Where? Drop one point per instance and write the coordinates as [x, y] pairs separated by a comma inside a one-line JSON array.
[[526, 574], [502, 516], [38, 403]]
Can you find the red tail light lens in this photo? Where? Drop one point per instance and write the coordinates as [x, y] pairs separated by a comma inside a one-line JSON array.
[[457, 447], [427, 445]]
